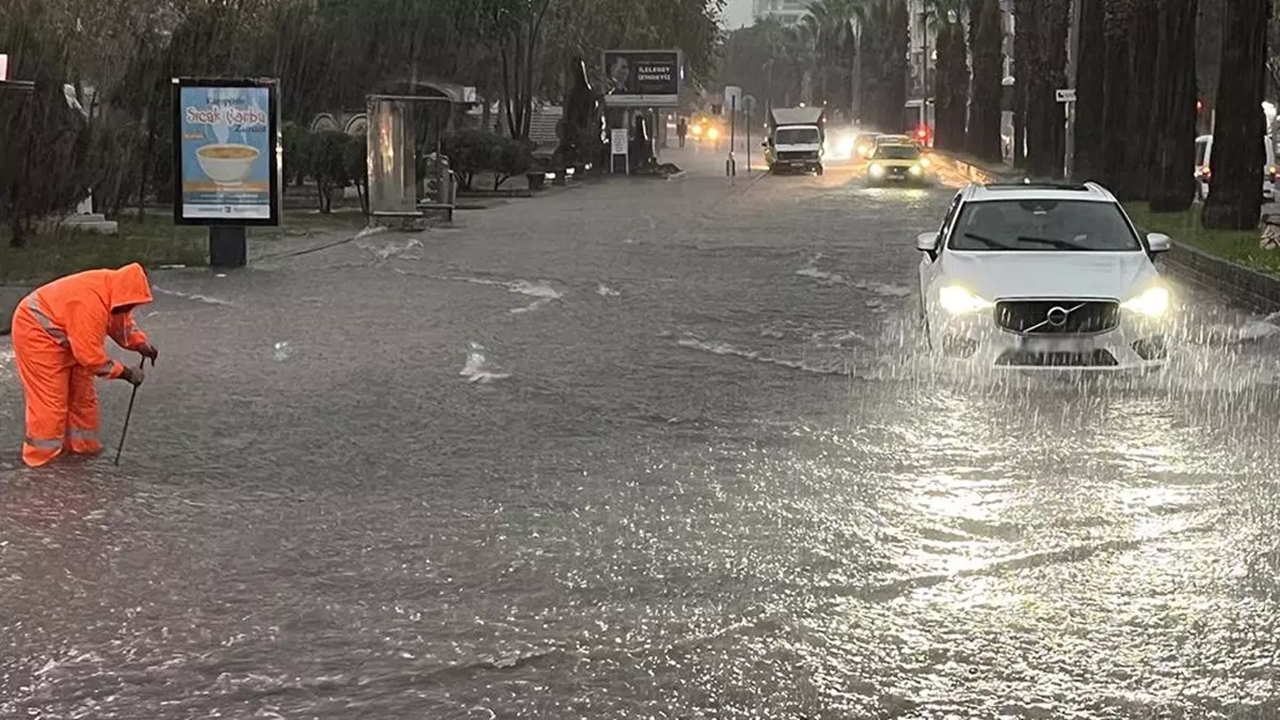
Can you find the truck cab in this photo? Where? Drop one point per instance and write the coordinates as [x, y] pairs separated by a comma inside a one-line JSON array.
[[795, 141]]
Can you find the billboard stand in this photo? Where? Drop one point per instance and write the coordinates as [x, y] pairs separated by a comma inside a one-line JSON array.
[[226, 160], [618, 145], [228, 246], [643, 78]]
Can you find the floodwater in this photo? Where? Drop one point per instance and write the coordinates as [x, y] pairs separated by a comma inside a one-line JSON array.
[[641, 450]]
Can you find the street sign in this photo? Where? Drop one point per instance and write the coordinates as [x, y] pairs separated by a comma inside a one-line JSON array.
[[618, 138], [1066, 95]]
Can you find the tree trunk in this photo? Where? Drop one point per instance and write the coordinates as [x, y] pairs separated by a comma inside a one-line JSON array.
[[1144, 77], [952, 87], [1235, 187], [1170, 185], [1091, 71], [1115, 111], [896, 71], [988, 75], [1046, 119], [1024, 49]]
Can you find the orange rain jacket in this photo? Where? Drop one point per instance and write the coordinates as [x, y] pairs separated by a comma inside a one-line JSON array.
[[59, 336]]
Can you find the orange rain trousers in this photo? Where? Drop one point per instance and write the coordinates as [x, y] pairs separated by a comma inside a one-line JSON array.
[[61, 400], [59, 333]]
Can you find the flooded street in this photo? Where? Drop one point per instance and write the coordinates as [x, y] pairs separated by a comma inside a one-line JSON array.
[[659, 449]]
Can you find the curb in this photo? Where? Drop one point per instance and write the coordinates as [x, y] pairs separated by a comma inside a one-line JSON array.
[[975, 172], [1255, 290]]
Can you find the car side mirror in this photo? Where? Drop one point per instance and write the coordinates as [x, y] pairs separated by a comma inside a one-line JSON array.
[[927, 242], [1159, 242]]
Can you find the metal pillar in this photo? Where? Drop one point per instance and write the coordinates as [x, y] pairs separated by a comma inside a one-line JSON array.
[[1073, 65]]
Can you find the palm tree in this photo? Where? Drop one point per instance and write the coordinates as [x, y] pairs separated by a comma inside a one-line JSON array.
[[1171, 185], [986, 38], [952, 76], [829, 28], [1234, 200]]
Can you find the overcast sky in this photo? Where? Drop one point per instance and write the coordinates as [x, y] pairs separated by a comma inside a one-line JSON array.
[[737, 13]]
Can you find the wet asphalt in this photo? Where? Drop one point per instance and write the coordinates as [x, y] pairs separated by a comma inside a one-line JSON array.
[[660, 449]]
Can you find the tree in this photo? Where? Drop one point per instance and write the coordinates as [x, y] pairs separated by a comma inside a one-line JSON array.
[[952, 79], [1046, 22], [1137, 149], [1171, 185], [1235, 200], [985, 40], [1091, 71]]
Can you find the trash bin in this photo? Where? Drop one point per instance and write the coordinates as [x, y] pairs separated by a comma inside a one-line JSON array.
[[446, 184]]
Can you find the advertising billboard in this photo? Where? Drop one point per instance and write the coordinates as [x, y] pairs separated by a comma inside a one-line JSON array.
[[226, 152], [643, 78]]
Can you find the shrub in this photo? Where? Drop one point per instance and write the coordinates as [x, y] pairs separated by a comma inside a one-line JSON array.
[[355, 158], [328, 164], [45, 149], [470, 151], [509, 159]]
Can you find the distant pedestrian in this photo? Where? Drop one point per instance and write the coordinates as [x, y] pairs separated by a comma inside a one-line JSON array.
[[682, 129]]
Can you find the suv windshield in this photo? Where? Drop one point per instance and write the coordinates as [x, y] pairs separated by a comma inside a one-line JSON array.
[[897, 152], [797, 136], [1029, 225]]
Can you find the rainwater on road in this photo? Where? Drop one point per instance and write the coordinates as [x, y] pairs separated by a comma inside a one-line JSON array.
[[642, 449]]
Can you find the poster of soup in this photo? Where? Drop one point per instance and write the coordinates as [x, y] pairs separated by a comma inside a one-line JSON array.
[[226, 153]]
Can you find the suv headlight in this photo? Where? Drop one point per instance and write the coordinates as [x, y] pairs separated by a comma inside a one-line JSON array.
[[958, 301], [1154, 302]]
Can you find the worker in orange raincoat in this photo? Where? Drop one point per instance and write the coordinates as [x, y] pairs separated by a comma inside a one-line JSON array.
[[59, 342]]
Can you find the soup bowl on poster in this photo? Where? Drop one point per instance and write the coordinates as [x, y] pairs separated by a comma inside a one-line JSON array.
[[227, 164]]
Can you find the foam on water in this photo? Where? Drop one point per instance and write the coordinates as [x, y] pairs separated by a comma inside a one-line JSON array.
[[478, 369], [830, 278], [605, 291], [193, 296], [391, 249], [833, 367]]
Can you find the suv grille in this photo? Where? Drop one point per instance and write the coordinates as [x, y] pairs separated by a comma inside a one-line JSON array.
[[1058, 317], [1020, 358]]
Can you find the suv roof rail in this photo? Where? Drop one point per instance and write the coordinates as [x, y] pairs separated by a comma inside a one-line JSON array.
[[1028, 183]]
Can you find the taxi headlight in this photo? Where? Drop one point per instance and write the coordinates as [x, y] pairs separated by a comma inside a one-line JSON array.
[[877, 170], [713, 133], [1152, 303], [958, 301], [916, 170]]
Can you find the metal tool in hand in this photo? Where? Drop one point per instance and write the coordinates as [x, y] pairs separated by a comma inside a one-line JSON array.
[[129, 414]]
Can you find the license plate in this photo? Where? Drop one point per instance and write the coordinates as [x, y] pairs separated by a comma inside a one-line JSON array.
[[1039, 345]]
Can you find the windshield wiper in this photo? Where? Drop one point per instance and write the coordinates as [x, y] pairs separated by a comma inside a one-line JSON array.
[[1054, 242], [996, 244]]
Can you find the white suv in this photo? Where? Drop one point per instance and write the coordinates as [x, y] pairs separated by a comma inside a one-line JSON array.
[[1044, 276]]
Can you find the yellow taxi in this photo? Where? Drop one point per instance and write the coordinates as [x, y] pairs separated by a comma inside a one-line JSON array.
[[898, 159]]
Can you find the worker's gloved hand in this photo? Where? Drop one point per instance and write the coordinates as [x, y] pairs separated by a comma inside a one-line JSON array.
[[134, 375], [149, 352]]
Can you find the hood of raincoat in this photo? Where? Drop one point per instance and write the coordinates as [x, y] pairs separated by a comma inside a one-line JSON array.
[[128, 286]]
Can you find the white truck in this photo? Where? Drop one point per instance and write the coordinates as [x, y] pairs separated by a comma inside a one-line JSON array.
[[796, 139]]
